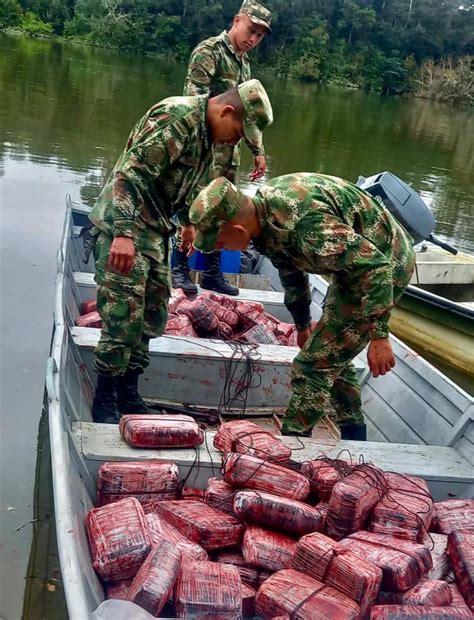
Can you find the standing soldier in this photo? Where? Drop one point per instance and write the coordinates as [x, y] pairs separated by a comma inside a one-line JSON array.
[[313, 223], [217, 64], [155, 177]]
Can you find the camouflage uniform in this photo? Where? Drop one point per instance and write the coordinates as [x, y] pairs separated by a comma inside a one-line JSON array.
[[313, 223]]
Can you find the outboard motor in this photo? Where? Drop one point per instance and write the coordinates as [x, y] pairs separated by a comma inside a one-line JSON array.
[[405, 205]]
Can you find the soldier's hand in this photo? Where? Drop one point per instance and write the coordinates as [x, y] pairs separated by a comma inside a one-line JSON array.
[[380, 356], [122, 253], [260, 168], [303, 336], [188, 234]]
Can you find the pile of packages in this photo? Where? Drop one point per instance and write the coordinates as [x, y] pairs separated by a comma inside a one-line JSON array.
[[328, 540], [211, 315]]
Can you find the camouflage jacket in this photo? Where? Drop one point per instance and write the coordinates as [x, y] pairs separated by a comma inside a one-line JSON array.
[[214, 67], [313, 223], [157, 175]]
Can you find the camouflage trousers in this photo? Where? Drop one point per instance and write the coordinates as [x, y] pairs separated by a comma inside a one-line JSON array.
[[133, 308], [324, 379]]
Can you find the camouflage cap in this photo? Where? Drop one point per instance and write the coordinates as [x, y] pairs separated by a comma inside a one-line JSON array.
[[257, 13], [214, 206], [258, 111]]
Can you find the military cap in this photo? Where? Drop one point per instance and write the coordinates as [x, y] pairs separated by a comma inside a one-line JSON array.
[[257, 13], [215, 205], [258, 110]]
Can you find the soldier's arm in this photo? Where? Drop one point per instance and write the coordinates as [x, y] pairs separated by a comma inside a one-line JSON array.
[[297, 294], [201, 69], [325, 237]]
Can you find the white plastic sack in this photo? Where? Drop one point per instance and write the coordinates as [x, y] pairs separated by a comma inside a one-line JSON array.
[[114, 609]]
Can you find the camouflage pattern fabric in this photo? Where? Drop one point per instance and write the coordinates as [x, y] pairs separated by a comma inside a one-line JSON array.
[[133, 308], [257, 13]]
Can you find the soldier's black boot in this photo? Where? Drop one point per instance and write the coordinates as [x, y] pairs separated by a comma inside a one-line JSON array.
[[180, 274], [213, 279], [104, 407], [128, 398], [354, 432]]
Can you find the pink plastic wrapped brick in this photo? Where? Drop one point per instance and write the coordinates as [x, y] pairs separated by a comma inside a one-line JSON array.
[[437, 544], [278, 513], [461, 553], [160, 530], [226, 315], [180, 325], [259, 334], [119, 539], [453, 514], [327, 561], [118, 589], [429, 592], [323, 474], [253, 576], [352, 499], [208, 591], [302, 598], [270, 550], [156, 577], [90, 305], [147, 481], [177, 296], [457, 598], [91, 319], [193, 493], [406, 509], [203, 319], [220, 495], [248, 601], [211, 528], [245, 437], [405, 612], [248, 311], [224, 332], [245, 471], [403, 562], [160, 431]]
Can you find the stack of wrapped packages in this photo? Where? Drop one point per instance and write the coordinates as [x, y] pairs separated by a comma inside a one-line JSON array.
[[326, 540]]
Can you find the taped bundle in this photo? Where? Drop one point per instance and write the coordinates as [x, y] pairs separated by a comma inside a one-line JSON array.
[[244, 437], [461, 553], [252, 576], [302, 598], [201, 523], [323, 474], [91, 319], [153, 584], [119, 539], [179, 325], [438, 543], [268, 549], [427, 592], [405, 612], [279, 513], [118, 589], [160, 531], [406, 509], [225, 315], [327, 561], [193, 493], [245, 471], [259, 334], [160, 431], [403, 562], [203, 318], [220, 495], [148, 481], [453, 514], [458, 599], [352, 499], [207, 590], [248, 601]]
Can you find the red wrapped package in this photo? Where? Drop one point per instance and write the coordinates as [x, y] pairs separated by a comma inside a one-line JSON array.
[[225, 315], [179, 325], [437, 544], [119, 539], [148, 481], [405, 612], [457, 598], [323, 474], [426, 592], [270, 550], [250, 575], [278, 513], [203, 319], [403, 562], [177, 296], [284, 330], [193, 493], [90, 305], [156, 577], [160, 530], [327, 561], [220, 495], [461, 553], [303, 598], [91, 319], [406, 509], [224, 332], [208, 591], [352, 499], [248, 601], [245, 437], [118, 589], [201, 523], [248, 311], [243, 470], [151, 430], [258, 334], [453, 514]]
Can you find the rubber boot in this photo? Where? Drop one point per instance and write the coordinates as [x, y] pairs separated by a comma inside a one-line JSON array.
[[104, 407], [180, 274], [213, 279], [128, 398], [354, 432]]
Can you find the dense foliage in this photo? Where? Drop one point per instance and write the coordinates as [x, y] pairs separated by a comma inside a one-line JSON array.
[[389, 46]]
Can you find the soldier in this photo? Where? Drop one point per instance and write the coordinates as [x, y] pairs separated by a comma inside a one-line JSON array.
[[313, 223], [155, 177], [217, 64]]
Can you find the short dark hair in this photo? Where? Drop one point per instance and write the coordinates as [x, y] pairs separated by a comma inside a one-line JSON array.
[[232, 97]]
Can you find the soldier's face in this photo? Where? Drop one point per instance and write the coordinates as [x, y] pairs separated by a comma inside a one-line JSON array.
[[228, 127], [246, 34]]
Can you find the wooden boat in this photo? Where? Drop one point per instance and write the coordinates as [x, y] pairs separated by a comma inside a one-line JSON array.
[[419, 421]]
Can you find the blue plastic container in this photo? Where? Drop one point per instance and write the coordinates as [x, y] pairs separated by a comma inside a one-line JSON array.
[[230, 261]]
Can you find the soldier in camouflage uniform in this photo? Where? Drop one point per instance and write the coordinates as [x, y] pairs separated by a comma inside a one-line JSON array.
[[155, 177], [216, 65], [314, 223]]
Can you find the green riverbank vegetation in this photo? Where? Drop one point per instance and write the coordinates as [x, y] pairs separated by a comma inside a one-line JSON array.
[[423, 47]]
